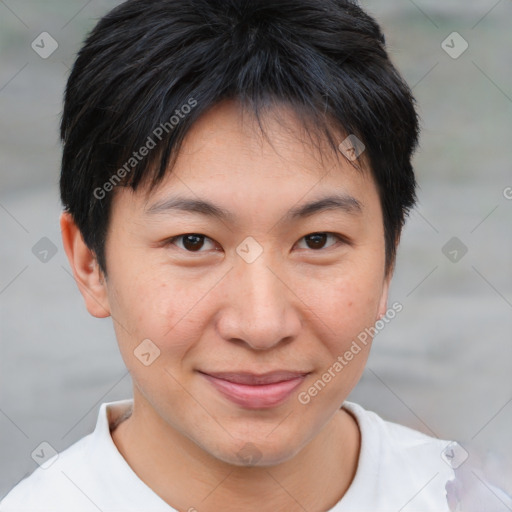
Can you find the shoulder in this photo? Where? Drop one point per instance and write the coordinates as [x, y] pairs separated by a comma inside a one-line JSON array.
[[399, 465], [395, 438], [84, 477], [51, 484]]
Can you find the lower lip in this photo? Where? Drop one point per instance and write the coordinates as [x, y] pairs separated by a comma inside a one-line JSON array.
[[256, 397]]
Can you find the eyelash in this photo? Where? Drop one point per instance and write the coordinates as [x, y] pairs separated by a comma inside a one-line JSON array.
[[340, 238]]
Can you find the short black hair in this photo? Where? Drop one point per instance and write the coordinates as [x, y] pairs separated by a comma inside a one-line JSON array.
[[150, 68]]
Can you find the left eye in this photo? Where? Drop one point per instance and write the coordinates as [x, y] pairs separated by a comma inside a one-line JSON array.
[[316, 241], [191, 242]]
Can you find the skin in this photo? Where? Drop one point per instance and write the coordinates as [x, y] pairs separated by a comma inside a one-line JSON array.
[[298, 306]]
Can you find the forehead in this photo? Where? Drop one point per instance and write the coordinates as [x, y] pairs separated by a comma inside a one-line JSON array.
[[230, 159], [232, 132]]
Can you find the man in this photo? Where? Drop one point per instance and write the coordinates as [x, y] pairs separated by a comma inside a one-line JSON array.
[[235, 178]]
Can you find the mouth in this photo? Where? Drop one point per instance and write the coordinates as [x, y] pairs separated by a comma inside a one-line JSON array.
[[256, 391]]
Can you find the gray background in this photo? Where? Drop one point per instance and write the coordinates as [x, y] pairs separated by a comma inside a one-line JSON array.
[[442, 366]]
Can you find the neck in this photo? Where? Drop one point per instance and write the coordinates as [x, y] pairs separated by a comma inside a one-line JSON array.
[[188, 478]]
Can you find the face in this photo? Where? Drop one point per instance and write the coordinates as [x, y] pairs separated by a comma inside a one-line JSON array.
[[248, 301]]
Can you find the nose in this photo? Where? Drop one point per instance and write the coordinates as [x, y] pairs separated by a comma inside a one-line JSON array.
[[261, 308]]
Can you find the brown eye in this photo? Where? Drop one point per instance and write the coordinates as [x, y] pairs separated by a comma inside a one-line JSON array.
[[317, 241], [191, 242]]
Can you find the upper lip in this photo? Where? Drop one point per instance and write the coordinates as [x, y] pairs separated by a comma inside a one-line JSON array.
[[254, 379]]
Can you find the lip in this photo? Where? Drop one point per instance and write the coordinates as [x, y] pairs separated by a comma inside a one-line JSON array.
[[256, 391]]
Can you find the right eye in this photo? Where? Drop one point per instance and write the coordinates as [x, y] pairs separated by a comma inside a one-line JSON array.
[[190, 242]]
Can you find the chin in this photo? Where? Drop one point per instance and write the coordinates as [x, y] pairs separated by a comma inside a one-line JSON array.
[[251, 452]]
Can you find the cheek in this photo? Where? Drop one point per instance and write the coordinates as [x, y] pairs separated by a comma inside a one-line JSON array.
[[170, 310], [345, 311], [346, 306], [151, 308]]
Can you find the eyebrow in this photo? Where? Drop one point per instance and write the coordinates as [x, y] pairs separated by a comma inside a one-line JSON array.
[[338, 202]]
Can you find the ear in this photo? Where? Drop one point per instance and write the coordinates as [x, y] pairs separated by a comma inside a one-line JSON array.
[[383, 303], [88, 276]]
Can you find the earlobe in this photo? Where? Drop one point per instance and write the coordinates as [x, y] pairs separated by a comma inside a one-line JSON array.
[[86, 271]]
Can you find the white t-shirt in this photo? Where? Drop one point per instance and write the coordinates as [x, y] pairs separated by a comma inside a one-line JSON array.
[[399, 469]]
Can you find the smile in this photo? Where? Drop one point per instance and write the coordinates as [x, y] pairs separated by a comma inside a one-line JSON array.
[[253, 391]]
